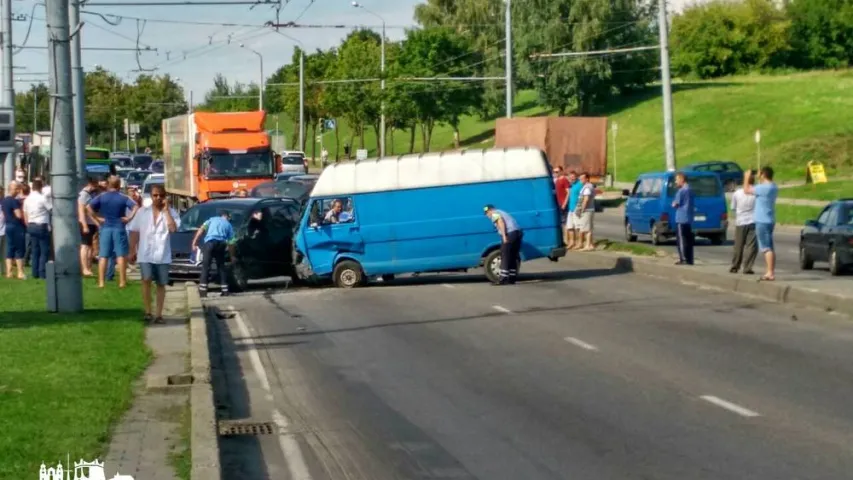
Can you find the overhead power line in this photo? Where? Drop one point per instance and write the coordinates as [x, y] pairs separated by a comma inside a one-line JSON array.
[[595, 52], [183, 3], [99, 49]]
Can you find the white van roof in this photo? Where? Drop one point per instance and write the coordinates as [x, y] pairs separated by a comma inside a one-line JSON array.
[[431, 170]]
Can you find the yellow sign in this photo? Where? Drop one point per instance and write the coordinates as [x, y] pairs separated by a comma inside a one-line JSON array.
[[815, 173]]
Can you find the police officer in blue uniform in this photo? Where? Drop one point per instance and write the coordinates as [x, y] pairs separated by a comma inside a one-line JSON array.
[[511, 236], [218, 237]]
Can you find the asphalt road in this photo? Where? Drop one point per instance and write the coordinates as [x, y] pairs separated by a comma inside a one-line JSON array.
[[571, 374], [610, 224]]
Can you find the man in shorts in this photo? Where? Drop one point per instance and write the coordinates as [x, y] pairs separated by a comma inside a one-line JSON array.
[[764, 216], [573, 241], [113, 207], [585, 211], [149, 239], [88, 225]]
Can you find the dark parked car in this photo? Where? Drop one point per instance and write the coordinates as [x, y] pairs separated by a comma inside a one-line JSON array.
[[295, 190], [122, 161], [308, 180], [829, 238], [730, 173], [157, 166], [135, 178], [264, 228]]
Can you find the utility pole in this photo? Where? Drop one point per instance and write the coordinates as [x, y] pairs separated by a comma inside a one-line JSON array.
[[35, 113], [79, 92], [666, 81], [66, 231], [8, 86], [382, 80], [508, 58], [302, 99]]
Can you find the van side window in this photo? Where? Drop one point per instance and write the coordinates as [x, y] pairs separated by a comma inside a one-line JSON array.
[[337, 210], [655, 187]]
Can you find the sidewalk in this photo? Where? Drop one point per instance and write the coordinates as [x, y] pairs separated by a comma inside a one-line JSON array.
[[151, 441], [801, 288]]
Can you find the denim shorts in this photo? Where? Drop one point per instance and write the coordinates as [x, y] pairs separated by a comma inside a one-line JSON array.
[[764, 234], [113, 242], [16, 242], [158, 272]]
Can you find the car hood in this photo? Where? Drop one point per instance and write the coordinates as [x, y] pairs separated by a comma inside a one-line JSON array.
[[181, 243]]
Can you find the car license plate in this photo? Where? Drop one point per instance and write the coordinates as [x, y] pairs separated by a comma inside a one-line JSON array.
[[700, 218]]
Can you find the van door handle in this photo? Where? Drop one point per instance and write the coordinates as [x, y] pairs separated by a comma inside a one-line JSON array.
[[353, 229]]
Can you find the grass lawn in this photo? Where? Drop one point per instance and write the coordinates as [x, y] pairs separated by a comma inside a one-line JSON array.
[[65, 379], [632, 248], [792, 214], [828, 192]]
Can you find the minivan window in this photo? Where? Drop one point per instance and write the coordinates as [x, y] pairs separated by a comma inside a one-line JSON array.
[[198, 214], [292, 160], [701, 186]]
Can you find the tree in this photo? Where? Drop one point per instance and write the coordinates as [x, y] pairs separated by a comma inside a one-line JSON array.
[[224, 97], [727, 38], [577, 83], [27, 108], [821, 33], [358, 102], [152, 99], [105, 104]]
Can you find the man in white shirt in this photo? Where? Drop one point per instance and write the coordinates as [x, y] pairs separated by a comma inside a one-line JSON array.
[[743, 206], [585, 211], [149, 239], [37, 217]]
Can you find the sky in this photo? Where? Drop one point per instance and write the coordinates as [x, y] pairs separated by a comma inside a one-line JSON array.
[[195, 53]]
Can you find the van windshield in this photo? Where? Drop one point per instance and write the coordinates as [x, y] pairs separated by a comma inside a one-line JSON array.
[[704, 186]]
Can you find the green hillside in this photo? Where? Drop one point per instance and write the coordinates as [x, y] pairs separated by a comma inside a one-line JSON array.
[[802, 117]]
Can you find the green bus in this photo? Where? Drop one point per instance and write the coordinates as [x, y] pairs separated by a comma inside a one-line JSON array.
[[97, 156]]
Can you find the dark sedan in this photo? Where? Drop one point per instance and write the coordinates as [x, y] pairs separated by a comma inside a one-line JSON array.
[[264, 230], [136, 178], [730, 173], [829, 238]]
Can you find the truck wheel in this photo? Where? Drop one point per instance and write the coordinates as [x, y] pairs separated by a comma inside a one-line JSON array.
[[492, 264], [806, 263], [348, 274], [835, 267], [656, 237], [629, 232]]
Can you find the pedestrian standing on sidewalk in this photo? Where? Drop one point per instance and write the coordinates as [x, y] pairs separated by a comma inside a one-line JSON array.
[[218, 237], [88, 226], [37, 217], [15, 231], [113, 207], [684, 211], [149, 237], [573, 239], [511, 236], [585, 212], [561, 189], [743, 204], [25, 192], [765, 216]]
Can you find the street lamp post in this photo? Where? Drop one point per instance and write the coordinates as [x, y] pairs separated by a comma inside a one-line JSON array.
[[301, 87], [382, 69], [261, 87]]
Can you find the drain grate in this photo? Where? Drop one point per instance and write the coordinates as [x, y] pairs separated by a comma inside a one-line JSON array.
[[231, 428]]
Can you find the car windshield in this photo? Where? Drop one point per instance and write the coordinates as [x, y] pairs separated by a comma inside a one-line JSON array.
[[150, 185], [704, 186], [230, 165], [198, 214], [137, 176], [157, 167], [123, 162], [292, 160], [280, 189], [143, 160]]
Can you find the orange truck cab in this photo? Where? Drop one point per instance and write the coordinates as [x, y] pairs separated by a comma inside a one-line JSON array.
[[208, 155]]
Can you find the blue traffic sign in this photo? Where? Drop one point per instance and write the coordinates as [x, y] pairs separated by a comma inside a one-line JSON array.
[[330, 124]]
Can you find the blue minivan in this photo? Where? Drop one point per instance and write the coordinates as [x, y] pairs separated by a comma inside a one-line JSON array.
[[649, 211], [424, 213]]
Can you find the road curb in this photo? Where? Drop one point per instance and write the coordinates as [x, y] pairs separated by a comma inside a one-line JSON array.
[[779, 292], [204, 439]]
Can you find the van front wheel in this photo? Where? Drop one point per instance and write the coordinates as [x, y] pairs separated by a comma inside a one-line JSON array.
[[348, 274]]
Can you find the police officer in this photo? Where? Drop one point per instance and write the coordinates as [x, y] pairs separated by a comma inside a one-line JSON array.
[[218, 236], [511, 236]]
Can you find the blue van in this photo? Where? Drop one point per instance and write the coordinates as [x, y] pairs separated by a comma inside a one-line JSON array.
[[424, 213], [649, 211]]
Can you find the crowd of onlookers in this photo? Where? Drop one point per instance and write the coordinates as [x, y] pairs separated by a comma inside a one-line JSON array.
[[576, 199], [25, 211]]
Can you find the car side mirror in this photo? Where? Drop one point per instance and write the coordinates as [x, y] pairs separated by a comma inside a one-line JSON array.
[[626, 193], [812, 223]]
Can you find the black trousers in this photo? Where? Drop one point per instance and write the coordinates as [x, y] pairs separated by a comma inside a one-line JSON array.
[[745, 242], [210, 252], [685, 239], [510, 254]]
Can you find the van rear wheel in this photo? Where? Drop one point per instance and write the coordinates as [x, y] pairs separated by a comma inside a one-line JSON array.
[[492, 264], [348, 274]]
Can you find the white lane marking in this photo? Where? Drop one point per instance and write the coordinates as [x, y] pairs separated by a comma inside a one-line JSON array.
[[254, 358], [290, 448], [581, 343], [447, 285], [744, 412], [502, 309]]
